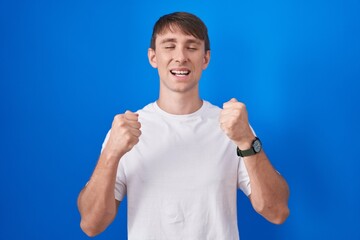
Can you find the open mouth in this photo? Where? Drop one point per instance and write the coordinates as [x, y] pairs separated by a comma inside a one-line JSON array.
[[180, 73]]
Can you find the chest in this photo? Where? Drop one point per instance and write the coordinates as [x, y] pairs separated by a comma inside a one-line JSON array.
[[180, 155]]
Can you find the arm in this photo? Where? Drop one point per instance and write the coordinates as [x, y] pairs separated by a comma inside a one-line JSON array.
[[269, 190], [96, 202]]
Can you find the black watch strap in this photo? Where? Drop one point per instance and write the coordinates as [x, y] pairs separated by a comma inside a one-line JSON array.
[[254, 149], [245, 153]]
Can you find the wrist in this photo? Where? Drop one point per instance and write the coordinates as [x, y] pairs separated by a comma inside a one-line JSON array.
[[109, 157], [254, 148], [246, 142]]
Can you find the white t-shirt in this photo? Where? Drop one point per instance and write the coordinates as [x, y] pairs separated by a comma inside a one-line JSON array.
[[181, 179]]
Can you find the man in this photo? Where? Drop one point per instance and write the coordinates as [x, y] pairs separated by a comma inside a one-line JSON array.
[[181, 171]]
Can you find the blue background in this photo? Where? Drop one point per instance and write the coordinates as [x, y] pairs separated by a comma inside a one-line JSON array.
[[67, 67]]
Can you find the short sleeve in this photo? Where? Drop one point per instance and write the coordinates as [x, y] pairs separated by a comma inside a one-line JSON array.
[[120, 184], [106, 140], [243, 178]]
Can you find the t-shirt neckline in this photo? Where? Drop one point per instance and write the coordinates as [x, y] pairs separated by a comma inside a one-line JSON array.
[[180, 116]]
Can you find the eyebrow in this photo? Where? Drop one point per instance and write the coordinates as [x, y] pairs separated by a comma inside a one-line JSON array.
[[173, 40], [167, 40]]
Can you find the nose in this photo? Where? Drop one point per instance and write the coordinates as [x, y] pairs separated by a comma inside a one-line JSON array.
[[180, 55]]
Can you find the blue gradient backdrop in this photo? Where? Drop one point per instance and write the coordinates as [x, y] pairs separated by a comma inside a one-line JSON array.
[[66, 67]]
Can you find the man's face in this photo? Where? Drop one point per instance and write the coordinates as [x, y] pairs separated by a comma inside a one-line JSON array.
[[180, 60]]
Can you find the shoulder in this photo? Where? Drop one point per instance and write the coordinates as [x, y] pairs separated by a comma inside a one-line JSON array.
[[147, 108], [148, 113], [210, 109]]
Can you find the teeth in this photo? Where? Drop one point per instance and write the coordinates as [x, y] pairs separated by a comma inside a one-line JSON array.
[[180, 72]]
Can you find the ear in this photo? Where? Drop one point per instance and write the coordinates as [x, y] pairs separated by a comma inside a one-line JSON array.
[[152, 57], [206, 60]]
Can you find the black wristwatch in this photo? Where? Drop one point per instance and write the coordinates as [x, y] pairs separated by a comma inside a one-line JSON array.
[[256, 147]]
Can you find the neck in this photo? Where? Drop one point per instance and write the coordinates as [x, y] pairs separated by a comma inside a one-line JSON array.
[[179, 103]]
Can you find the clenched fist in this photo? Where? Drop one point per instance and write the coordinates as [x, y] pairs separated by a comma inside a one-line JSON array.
[[124, 134], [234, 122]]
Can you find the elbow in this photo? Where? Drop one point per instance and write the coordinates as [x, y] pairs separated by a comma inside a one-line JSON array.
[[274, 214], [94, 224], [89, 230], [94, 220], [280, 216]]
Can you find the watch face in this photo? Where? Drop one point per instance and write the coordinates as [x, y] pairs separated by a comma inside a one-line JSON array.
[[257, 145]]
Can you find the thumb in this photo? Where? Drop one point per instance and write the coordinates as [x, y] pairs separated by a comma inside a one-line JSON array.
[[131, 115], [233, 100]]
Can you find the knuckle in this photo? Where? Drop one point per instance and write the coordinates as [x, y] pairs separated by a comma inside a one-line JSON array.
[[127, 138], [137, 125], [242, 106], [119, 118]]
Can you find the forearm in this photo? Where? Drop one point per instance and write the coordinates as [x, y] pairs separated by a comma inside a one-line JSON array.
[[269, 190], [96, 202]]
